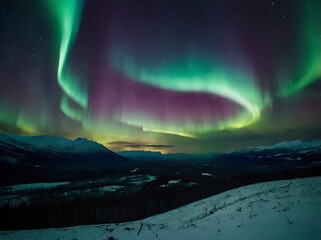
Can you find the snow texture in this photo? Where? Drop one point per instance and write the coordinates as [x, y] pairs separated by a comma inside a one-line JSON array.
[[32, 186], [276, 210]]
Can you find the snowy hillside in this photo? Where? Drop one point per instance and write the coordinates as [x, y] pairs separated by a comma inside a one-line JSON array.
[[288, 209]]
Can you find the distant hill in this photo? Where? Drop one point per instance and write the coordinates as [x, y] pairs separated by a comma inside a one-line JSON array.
[[294, 145], [141, 154], [151, 155], [279, 157]]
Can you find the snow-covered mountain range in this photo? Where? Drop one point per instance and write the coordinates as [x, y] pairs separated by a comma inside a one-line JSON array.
[[59, 144], [284, 147], [288, 209], [287, 145], [41, 151]]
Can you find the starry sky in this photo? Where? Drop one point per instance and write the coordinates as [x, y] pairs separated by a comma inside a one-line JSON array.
[[166, 75]]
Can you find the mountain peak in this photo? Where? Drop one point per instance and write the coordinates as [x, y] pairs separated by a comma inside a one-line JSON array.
[[81, 139]]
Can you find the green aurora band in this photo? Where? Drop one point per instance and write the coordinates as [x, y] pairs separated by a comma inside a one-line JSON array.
[[196, 76], [68, 14], [309, 69]]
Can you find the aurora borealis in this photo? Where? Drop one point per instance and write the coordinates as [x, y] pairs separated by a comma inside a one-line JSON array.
[[170, 76]]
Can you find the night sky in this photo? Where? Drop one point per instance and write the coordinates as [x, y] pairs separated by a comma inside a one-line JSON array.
[[170, 76]]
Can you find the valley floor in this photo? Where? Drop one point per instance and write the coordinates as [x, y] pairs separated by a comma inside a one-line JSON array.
[[277, 210]]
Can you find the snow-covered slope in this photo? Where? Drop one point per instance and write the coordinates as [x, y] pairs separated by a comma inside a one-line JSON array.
[[274, 210]]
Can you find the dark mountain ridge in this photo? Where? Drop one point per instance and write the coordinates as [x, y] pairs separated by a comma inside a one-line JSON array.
[[40, 154]]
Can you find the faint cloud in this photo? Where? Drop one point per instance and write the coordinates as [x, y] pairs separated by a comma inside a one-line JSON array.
[[154, 146], [134, 145], [120, 143]]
